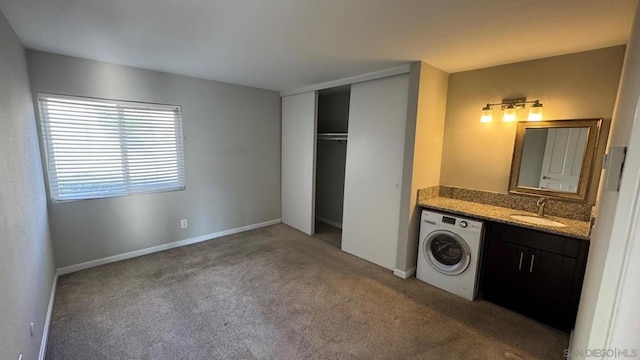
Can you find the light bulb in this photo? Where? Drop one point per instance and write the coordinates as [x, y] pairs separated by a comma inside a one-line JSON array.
[[535, 112], [509, 114], [487, 114]]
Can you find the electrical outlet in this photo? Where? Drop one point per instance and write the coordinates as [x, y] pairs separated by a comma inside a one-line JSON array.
[[183, 224]]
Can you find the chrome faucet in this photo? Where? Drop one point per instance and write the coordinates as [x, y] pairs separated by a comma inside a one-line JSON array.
[[541, 203]]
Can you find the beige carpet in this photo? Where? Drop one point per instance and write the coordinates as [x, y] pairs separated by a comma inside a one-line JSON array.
[[275, 293]]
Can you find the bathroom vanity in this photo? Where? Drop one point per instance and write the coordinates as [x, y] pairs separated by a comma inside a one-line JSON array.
[[536, 236], [535, 273], [533, 268]]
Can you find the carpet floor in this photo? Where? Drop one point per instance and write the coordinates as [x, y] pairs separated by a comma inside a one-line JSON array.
[[276, 293]]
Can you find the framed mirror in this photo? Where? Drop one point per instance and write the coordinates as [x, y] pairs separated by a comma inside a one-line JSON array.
[[554, 158]]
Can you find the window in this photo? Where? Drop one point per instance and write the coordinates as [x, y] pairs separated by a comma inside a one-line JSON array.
[[99, 148]]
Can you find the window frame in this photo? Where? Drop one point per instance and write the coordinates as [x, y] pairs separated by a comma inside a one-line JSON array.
[[44, 133]]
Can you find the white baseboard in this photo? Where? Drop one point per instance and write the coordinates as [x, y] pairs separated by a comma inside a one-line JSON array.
[[329, 222], [153, 249], [404, 274], [47, 319]]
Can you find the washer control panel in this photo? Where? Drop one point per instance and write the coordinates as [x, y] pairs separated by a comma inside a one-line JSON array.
[[451, 221]]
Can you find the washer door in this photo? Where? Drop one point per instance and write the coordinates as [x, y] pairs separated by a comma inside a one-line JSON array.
[[446, 252]]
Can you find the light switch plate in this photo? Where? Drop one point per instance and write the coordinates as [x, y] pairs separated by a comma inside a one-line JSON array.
[[613, 165]]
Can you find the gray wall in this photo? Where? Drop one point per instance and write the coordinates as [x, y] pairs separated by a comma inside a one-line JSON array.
[[331, 156], [232, 160], [535, 143], [26, 259]]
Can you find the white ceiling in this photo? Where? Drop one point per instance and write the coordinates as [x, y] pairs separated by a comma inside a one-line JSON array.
[[285, 44]]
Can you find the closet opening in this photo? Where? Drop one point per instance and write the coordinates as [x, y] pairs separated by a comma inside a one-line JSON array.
[[331, 156]]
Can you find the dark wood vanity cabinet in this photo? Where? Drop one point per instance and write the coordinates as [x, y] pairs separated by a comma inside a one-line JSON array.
[[535, 273]]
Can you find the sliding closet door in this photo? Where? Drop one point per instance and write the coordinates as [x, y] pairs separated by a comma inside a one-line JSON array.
[[299, 117], [373, 174]]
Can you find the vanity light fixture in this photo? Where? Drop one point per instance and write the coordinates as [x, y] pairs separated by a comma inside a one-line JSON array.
[[510, 106]]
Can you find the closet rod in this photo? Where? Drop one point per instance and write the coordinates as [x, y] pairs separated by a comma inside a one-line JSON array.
[[332, 136]]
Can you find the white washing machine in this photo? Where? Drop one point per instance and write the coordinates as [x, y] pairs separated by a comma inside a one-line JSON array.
[[449, 253]]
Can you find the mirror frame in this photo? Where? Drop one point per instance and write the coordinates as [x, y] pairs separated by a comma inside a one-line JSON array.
[[588, 161]]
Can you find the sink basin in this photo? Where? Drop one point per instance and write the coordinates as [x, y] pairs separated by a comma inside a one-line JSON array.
[[537, 220]]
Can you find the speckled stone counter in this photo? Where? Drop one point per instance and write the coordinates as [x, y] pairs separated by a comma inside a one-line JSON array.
[[574, 228], [554, 207]]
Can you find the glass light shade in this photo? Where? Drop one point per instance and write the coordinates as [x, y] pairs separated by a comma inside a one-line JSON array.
[[487, 115], [535, 112], [509, 114]]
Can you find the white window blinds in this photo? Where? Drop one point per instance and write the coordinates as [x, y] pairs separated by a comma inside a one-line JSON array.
[[103, 148]]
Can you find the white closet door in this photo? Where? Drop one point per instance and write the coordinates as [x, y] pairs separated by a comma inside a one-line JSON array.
[[373, 174], [299, 117]]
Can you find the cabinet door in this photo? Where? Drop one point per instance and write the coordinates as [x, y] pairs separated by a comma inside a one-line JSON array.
[[549, 280], [373, 172], [504, 273], [298, 160]]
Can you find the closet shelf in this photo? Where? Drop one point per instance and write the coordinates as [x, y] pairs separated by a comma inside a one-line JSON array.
[[332, 136]]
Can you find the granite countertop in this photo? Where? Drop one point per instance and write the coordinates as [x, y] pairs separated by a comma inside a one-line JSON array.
[[575, 228]]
